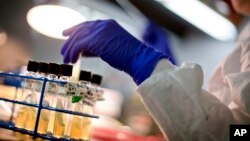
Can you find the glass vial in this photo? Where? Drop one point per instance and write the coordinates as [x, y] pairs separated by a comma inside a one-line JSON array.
[[35, 96], [76, 124], [27, 85], [61, 120], [88, 104], [47, 117]]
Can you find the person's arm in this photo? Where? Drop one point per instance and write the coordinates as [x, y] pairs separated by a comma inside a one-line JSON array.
[[114, 45], [183, 111], [174, 96], [155, 37]]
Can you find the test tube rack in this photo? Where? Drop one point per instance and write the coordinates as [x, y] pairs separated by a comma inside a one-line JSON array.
[[11, 126]]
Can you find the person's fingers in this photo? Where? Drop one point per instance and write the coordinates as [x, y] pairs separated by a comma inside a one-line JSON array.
[[75, 57], [64, 47], [82, 46], [66, 59], [80, 31], [68, 44], [69, 47], [78, 44], [78, 47], [69, 31]]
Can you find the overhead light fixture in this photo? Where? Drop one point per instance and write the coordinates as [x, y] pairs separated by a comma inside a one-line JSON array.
[[203, 17], [51, 20]]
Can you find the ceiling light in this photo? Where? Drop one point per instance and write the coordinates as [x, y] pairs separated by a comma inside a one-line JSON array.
[[203, 17], [51, 20]]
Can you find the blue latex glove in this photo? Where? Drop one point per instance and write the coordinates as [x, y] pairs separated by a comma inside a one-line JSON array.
[[155, 37], [113, 44]]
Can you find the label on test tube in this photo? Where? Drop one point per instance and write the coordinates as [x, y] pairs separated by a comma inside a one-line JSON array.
[[88, 98], [97, 94], [83, 89], [71, 88], [87, 102], [90, 95]]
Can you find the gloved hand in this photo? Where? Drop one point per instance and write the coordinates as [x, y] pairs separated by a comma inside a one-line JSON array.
[[113, 44], [155, 37]]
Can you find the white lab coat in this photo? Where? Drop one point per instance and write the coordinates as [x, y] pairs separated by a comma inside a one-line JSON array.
[[186, 112]]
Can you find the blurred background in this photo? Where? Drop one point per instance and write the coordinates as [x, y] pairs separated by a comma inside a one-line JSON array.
[[199, 31]]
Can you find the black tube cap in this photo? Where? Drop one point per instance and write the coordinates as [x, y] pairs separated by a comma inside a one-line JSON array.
[[54, 68], [66, 70], [33, 66], [43, 67], [85, 75], [96, 79]]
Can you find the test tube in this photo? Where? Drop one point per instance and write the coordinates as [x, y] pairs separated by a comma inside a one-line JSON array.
[[27, 85], [47, 117], [41, 73], [96, 80], [95, 85], [83, 87], [85, 92], [71, 93], [61, 101], [84, 78], [35, 96], [51, 88], [88, 104]]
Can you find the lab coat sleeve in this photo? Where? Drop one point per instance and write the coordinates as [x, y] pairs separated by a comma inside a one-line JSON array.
[[245, 56], [182, 110], [239, 86], [230, 81], [218, 84]]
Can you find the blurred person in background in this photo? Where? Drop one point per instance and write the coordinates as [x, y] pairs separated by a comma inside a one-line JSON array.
[[14, 42], [12, 53], [173, 95], [14, 34]]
